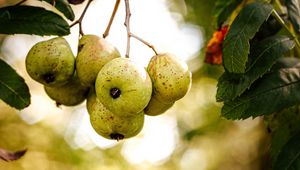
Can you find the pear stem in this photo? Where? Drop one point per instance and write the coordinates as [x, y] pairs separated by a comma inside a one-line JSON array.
[[145, 42], [130, 34], [127, 25], [79, 21], [105, 34]]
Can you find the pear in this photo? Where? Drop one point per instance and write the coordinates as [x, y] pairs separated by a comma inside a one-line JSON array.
[[93, 53], [123, 87], [51, 62], [170, 77], [108, 124], [70, 94], [156, 107]]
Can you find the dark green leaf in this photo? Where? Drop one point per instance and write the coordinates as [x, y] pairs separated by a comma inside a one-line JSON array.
[[13, 89], [286, 62], [273, 92], [236, 44], [289, 157], [269, 28], [224, 8], [31, 20], [262, 56], [282, 126], [64, 7], [293, 8]]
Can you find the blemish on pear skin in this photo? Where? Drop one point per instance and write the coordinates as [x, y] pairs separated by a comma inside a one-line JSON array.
[[80, 47], [49, 78], [115, 92], [116, 136]]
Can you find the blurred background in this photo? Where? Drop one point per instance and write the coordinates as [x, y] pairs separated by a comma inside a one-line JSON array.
[[189, 136]]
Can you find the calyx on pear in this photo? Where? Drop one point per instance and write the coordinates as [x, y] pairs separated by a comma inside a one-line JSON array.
[[51, 62], [70, 94], [170, 77], [93, 53], [156, 107], [123, 87], [108, 124]]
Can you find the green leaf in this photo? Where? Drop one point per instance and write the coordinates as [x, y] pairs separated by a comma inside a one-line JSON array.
[[293, 8], [262, 56], [236, 45], [64, 7], [13, 88], [282, 126], [31, 20], [289, 157], [224, 8], [273, 92], [286, 62]]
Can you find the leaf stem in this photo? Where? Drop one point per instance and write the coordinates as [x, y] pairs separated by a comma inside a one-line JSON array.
[[105, 34], [79, 21], [281, 21], [130, 34]]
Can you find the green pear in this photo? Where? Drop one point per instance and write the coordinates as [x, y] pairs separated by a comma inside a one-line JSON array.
[[51, 62], [70, 94], [108, 124], [156, 107], [170, 77], [93, 53], [123, 87]]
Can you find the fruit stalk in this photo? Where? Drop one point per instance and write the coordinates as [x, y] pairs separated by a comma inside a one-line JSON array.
[[105, 34], [79, 21], [127, 25], [130, 34]]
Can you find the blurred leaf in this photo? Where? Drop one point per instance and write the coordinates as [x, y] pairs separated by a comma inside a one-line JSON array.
[[64, 7], [286, 62], [236, 44], [224, 8], [273, 92], [213, 54], [282, 126], [200, 12], [289, 157], [13, 89], [11, 156], [293, 8], [263, 55], [31, 20]]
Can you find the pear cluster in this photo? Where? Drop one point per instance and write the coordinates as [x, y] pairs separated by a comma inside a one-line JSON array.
[[118, 92]]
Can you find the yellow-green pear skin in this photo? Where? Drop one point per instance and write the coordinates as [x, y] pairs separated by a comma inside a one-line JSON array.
[[93, 53], [170, 77], [156, 107], [70, 94], [123, 87], [108, 124], [51, 62]]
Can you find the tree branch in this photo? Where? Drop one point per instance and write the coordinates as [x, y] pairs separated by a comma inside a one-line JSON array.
[[105, 34], [127, 25], [145, 42], [79, 21], [129, 34]]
